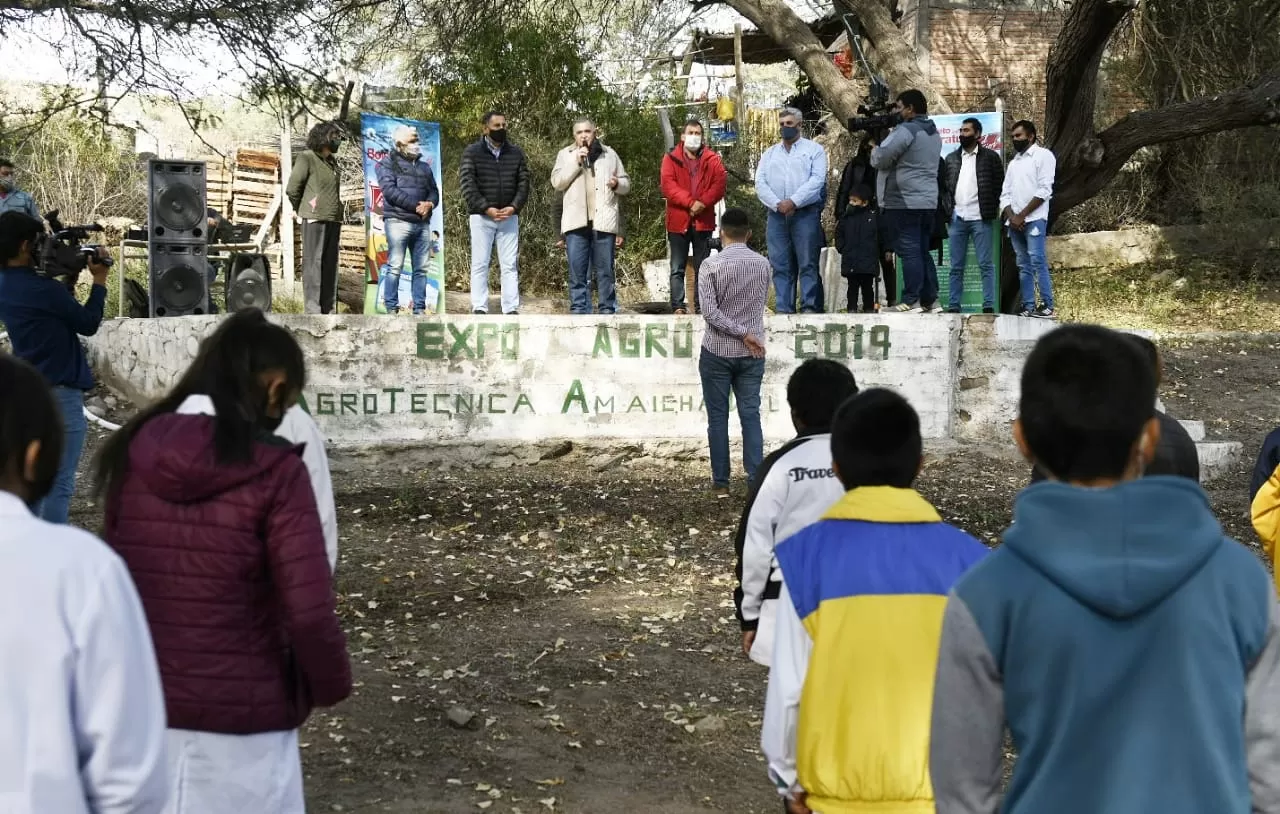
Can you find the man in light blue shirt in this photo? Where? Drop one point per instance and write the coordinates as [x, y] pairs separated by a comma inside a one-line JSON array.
[[791, 181], [13, 199]]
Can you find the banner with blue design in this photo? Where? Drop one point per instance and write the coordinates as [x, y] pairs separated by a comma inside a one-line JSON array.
[[378, 144]]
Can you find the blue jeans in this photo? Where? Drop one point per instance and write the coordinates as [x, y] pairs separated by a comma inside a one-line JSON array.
[[57, 504], [590, 251], [796, 242], [485, 233], [1033, 264], [743, 375], [980, 231], [415, 238], [913, 232]]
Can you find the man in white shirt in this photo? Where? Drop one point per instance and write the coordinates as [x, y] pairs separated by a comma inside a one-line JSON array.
[[975, 176], [1024, 204], [84, 724]]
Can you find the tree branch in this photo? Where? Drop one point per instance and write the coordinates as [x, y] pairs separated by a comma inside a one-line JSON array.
[[1100, 158], [1071, 77], [784, 27]]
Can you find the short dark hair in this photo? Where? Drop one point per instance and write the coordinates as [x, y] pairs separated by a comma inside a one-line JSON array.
[[875, 440], [916, 99], [489, 114], [16, 228], [1152, 353], [693, 122], [322, 134], [977, 125], [1025, 124], [817, 389], [862, 192], [4, 162], [735, 223], [28, 413], [1087, 393]]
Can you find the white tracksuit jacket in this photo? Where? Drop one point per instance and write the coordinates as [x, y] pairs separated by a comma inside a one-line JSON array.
[[795, 488]]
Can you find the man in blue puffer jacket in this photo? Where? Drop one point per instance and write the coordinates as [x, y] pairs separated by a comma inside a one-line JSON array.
[[410, 196]]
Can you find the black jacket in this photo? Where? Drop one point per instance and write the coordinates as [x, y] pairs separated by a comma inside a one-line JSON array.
[[857, 171], [488, 181], [1175, 454], [858, 241], [990, 171]]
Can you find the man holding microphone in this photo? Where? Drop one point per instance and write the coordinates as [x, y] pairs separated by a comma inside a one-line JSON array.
[[592, 179], [45, 323]]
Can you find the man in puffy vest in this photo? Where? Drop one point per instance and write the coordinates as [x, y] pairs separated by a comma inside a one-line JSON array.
[[410, 196]]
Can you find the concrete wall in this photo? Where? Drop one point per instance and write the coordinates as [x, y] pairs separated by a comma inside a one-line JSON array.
[[401, 381]]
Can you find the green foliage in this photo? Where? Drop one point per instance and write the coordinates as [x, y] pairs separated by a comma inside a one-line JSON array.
[[74, 164], [539, 76]]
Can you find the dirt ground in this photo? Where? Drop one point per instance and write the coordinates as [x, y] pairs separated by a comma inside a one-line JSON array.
[[580, 622]]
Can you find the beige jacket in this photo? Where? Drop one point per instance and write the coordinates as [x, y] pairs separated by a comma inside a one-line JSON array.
[[568, 177]]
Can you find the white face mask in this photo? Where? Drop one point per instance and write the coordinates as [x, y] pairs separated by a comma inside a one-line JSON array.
[[693, 142], [411, 150]]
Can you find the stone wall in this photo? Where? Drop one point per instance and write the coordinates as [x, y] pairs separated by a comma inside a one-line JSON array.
[[1147, 244], [385, 381]]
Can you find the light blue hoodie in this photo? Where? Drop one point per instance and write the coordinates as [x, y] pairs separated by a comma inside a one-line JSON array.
[[1133, 651]]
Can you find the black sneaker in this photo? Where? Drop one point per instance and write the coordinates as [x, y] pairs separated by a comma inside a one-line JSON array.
[[512, 314], [482, 313], [1026, 312], [1045, 312], [988, 310], [953, 310]]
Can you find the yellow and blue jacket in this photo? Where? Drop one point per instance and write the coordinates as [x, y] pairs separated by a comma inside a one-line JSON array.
[[1264, 500], [869, 582]]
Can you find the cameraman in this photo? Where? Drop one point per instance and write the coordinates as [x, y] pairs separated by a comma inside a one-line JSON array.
[[908, 161], [45, 324]]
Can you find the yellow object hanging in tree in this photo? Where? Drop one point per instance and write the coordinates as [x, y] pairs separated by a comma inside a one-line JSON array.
[[725, 108]]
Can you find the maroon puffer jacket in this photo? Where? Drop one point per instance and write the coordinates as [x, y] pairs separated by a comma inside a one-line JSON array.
[[231, 567]]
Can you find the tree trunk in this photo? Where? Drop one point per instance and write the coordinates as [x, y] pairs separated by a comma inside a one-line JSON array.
[[776, 19], [896, 57], [898, 63]]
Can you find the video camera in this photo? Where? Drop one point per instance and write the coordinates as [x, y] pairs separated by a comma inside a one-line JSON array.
[[877, 114], [61, 253]]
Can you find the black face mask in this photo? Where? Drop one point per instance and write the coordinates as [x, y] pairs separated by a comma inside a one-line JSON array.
[[498, 136], [1020, 145], [271, 424], [967, 142]]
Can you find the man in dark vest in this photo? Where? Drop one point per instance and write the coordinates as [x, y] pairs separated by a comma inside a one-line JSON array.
[[975, 175]]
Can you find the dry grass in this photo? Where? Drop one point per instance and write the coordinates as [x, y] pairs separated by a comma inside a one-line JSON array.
[[1182, 296]]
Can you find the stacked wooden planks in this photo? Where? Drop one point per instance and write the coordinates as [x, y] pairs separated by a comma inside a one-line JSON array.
[[218, 177], [255, 185]]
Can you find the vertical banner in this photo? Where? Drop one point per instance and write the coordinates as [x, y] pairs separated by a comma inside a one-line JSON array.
[[378, 145], [971, 295], [992, 138]]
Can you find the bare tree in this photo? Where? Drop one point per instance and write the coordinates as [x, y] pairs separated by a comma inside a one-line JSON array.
[[1088, 159]]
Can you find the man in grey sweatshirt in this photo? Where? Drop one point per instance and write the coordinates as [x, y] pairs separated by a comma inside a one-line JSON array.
[[908, 162]]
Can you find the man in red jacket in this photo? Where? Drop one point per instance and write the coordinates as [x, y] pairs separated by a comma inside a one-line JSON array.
[[693, 182]]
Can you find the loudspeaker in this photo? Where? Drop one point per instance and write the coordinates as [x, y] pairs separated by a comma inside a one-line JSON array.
[[177, 201], [248, 282], [179, 279]]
